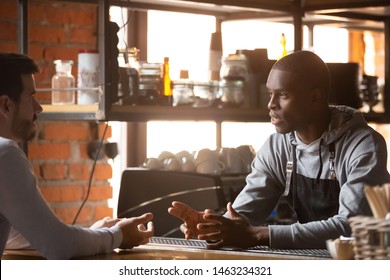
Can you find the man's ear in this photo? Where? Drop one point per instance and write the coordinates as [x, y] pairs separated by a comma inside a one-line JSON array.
[[5, 105]]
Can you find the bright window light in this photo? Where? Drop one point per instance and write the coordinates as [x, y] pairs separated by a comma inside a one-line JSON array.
[[256, 34], [331, 43], [178, 136], [184, 38], [187, 44], [369, 57], [235, 134]]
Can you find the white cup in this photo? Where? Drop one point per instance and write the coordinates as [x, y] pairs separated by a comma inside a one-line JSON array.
[[188, 166], [153, 164], [172, 164], [246, 154], [231, 158], [165, 155], [211, 166], [204, 155], [187, 161]]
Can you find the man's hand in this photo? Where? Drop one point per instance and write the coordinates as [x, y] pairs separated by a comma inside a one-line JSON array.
[[104, 223], [234, 232], [134, 231], [190, 217]]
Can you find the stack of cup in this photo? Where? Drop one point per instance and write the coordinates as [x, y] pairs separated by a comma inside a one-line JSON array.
[[208, 162]]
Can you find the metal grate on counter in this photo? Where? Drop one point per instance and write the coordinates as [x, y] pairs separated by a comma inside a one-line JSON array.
[[318, 253]]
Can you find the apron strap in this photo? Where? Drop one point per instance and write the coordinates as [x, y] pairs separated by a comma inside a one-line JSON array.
[[289, 172], [332, 155]]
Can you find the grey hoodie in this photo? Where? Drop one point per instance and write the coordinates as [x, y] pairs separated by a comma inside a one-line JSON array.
[[323, 203]]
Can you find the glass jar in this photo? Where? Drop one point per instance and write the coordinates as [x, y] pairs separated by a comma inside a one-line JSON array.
[[205, 94], [150, 83], [63, 83], [231, 93], [183, 94], [235, 67]]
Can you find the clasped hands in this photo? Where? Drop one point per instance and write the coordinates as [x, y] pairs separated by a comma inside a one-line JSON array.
[[218, 230]]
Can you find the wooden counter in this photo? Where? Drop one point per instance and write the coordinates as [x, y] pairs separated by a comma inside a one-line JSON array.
[[158, 251]]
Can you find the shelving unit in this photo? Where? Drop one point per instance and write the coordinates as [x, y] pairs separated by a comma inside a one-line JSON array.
[[358, 14]]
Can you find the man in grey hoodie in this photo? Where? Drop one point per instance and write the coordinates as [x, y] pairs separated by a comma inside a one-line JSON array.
[[320, 159]]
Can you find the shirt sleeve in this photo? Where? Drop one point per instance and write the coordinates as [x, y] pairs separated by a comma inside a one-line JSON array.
[[26, 210], [362, 160], [265, 184]]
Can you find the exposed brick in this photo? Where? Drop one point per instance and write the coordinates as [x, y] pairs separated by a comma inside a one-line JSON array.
[[37, 171], [37, 13], [101, 131], [81, 35], [52, 53], [73, 15], [63, 193], [35, 50], [47, 34], [103, 171], [53, 171], [8, 31], [103, 192], [48, 150], [8, 10], [8, 46], [67, 131], [83, 150], [102, 212], [67, 214], [79, 171]]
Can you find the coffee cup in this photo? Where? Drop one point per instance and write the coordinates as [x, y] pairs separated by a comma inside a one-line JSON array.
[[246, 154], [172, 164], [187, 161], [214, 167], [153, 164], [205, 155], [188, 166], [231, 159], [165, 155]]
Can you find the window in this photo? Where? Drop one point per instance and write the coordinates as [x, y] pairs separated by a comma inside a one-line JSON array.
[[177, 136], [187, 45]]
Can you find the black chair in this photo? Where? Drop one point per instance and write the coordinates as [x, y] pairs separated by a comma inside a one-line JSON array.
[[144, 190]]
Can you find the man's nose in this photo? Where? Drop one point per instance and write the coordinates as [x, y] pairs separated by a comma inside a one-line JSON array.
[[37, 107], [273, 102]]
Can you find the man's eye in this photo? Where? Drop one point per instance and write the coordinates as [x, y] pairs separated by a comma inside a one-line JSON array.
[[283, 94]]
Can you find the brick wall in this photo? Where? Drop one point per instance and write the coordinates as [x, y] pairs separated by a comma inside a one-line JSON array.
[[57, 30]]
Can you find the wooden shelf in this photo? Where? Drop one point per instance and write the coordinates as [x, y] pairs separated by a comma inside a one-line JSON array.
[[147, 113], [71, 112], [142, 113]]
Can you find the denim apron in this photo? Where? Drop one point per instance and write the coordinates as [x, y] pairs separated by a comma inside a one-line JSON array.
[[312, 199]]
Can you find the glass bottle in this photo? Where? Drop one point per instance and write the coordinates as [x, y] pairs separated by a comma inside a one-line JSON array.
[[63, 83], [215, 56], [167, 96], [283, 46], [183, 94]]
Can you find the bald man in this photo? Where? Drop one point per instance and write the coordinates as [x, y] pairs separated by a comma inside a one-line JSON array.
[[320, 160]]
